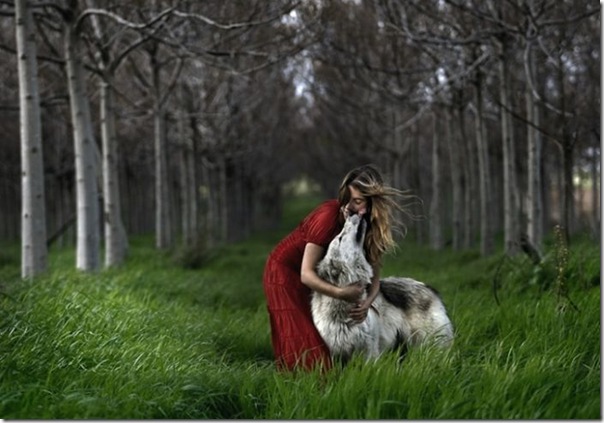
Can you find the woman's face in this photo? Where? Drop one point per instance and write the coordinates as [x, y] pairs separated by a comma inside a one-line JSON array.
[[357, 203]]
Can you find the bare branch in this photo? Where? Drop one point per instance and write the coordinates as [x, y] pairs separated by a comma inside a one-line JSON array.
[[572, 19], [235, 25], [478, 62], [120, 20], [531, 84], [173, 80]]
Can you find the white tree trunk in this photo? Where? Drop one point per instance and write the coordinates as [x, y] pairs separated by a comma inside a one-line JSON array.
[[115, 234], [189, 209], [470, 184], [116, 240], [192, 188], [183, 173], [33, 214], [511, 216], [486, 232], [534, 194], [88, 230], [436, 203], [454, 144], [595, 190], [163, 229], [208, 197], [223, 210], [566, 199], [187, 188]]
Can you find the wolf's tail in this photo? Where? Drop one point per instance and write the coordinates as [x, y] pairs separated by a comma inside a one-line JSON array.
[[423, 305], [407, 293]]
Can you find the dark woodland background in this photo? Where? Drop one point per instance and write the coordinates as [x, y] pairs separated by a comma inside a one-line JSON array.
[[488, 111]]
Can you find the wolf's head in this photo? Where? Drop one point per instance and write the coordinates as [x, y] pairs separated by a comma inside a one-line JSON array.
[[345, 261], [353, 232]]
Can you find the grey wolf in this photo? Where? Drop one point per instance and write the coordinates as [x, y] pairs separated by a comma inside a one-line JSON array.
[[405, 313]]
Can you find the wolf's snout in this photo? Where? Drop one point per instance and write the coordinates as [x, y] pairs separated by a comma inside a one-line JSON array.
[[355, 218]]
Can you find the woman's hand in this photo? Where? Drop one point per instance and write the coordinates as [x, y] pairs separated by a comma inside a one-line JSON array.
[[352, 293], [360, 311]]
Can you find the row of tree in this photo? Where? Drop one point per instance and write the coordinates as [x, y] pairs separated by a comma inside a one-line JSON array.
[[187, 119]]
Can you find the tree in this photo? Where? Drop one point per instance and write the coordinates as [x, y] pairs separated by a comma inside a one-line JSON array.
[[511, 195], [33, 240], [88, 230], [486, 221], [107, 61], [437, 201], [189, 185], [325, 85], [535, 187]]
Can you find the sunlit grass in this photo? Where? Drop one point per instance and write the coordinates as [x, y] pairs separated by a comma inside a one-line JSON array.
[[154, 340]]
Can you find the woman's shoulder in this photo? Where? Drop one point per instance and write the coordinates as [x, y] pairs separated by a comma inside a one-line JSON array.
[[327, 207], [321, 225]]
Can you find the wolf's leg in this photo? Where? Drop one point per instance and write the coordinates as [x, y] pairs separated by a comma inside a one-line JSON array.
[[373, 340], [375, 350]]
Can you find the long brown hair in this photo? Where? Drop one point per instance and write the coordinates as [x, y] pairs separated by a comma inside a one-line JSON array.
[[382, 202]]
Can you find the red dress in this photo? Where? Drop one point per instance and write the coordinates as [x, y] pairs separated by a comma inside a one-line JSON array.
[[295, 339]]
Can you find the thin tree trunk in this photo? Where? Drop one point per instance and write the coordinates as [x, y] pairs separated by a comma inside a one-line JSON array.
[[163, 230], [88, 231], [116, 242], [486, 233], [33, 214], [245, 190], [234, 201], [192, 184], [182, 167], [470, 184], [567, 203], [211, 220], [535, 187], [415, 177], [436, 203], [454, 143], [187, 178], [595, 190], [511, 215], [223, 212], [567, 188], [115, 234]]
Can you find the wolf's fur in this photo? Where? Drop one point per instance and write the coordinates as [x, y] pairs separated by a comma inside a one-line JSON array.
[[405, 312]]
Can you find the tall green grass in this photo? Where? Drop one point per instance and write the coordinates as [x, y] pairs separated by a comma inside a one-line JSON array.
[[154, 340]]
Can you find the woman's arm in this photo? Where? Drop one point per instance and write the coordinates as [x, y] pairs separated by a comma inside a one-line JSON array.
[[374, 289], [312, 254], [359, 313]]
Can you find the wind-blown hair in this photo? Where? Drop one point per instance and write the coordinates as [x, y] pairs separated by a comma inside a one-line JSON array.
[[382, 203]]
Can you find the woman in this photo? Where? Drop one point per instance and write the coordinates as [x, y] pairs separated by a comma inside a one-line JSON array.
[[289, 275]]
